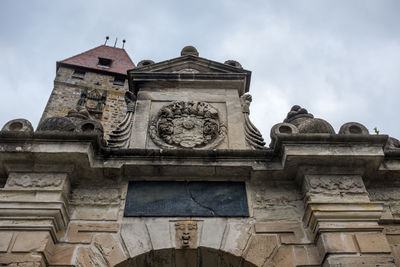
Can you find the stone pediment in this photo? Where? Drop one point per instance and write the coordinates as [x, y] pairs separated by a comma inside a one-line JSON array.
[[191, 64], [187, 70]]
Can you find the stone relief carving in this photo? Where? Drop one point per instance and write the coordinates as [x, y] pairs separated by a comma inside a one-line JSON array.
[[120, 136], [35, 180], [187, 70], [190, 125], [335, 184], [95, 196], [186, 233], [93, 101], [252, 134]]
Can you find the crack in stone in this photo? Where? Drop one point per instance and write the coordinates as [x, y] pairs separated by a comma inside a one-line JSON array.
[[198, 203]]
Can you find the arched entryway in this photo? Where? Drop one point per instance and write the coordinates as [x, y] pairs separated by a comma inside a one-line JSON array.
[[199, 257]]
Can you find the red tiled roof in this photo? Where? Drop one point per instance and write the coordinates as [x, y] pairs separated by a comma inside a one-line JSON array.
[[121, 62]]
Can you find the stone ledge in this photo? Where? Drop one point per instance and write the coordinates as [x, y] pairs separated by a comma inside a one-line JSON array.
[[55, 212], [290, 233], [342, 217], [82, 232]]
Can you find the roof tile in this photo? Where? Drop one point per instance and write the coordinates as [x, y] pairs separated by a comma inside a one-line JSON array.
[[121, 62]]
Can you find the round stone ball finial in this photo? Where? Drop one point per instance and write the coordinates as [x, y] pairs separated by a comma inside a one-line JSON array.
[[189, 50]]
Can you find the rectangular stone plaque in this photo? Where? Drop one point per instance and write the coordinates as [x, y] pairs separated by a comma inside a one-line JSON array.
[[185, 199]]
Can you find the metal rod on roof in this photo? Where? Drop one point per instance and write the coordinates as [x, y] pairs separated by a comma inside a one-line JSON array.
[[106, 40], [123, 43], [115, 41]]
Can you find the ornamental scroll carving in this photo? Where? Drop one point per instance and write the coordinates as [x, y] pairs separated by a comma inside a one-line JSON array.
[[190, 125]]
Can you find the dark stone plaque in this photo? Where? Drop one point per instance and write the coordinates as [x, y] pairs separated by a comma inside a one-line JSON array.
[[185, 199]]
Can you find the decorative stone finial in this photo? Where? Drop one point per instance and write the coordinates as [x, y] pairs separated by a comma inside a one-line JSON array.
[[189, 50], [306, 123], [281, 129], [144, 63], [18, 125], [353, 128], [233, 63], [77, 120]]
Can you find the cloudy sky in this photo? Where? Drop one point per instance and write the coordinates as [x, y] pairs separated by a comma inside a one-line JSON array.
[[338, 59]]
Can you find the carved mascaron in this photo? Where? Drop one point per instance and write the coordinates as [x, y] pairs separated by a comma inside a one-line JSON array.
[[191, 125]]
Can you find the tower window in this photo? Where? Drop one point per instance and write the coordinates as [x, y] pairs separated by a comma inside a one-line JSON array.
[[78, 74], [119, 80], [104, 62]]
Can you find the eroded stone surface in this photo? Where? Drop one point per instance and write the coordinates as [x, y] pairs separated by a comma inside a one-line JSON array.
[[372, 243], [5, 239], [110, 249], [87, 257], [260, 248]]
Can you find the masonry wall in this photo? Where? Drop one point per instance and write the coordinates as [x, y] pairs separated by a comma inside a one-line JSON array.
[[67, 91]]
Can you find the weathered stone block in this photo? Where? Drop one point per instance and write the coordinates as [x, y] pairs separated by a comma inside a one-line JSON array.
[[22, 259], [62, 255], [110, 249], [83, 232], [160, 234], [5, 239], [260, 248], [87, 257], [236, 238], [336, 243], [136, 238], [32, 241], [373, 243], [289, 232], [364, 261], [95, 212], [212, 233]]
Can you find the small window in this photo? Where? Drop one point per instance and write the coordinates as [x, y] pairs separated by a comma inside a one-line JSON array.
[[119, 80], [78, 74], [104, 62]]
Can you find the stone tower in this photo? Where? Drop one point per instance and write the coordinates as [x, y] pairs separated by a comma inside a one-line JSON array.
[[96, 79], [168, 170]]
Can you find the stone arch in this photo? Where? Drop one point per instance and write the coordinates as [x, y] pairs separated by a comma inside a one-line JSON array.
[[204, 242], [197, 257]]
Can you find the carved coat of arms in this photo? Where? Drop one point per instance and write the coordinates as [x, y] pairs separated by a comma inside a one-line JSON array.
[[188, 125]]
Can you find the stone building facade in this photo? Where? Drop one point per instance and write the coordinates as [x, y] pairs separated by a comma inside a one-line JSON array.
[[172, 172]]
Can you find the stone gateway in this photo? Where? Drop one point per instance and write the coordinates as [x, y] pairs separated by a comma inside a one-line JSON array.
[[160, 165]]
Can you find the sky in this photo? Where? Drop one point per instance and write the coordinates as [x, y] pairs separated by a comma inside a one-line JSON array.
[[339, 59]]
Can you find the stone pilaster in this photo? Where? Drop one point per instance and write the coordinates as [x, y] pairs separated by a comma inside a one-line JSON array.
[[33, 217], [344, 221]]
